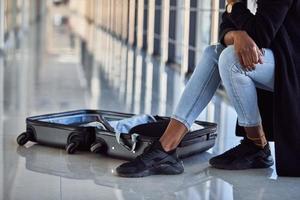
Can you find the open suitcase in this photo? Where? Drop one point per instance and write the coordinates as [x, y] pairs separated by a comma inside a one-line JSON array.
[[72, 131], [61, 130], [199, 139]]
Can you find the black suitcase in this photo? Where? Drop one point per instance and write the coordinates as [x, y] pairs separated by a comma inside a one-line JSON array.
[[66, 130], [141, 136], [61, 130]]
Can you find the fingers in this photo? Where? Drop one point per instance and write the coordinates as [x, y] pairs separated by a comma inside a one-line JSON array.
[[254, 55], [247, 58], [241, 59], [260, 56], [248, 61], [250, 57], [248, 52]]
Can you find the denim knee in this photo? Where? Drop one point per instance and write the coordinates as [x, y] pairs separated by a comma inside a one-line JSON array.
[[228, 61], [238, 86], [213, 51]]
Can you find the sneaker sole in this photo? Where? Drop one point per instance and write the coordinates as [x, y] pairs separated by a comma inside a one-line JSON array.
[[161, 169], [257, 164]]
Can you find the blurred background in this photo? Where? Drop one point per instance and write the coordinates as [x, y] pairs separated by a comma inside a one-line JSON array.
[[123, 55], [143, 49]]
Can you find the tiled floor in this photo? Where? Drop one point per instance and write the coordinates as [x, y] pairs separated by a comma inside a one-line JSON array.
[[44, 77]]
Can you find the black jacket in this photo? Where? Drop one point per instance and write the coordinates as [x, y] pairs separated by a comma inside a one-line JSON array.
[[276, 25]]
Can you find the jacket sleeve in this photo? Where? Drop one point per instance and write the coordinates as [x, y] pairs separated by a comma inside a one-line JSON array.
[[225, 26], [263, 26]]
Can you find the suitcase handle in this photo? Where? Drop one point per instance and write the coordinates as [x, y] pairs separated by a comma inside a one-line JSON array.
[[134, 140]]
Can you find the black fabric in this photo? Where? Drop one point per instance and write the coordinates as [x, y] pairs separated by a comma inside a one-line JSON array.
[[276, 26], [226, 26], [154, 129]]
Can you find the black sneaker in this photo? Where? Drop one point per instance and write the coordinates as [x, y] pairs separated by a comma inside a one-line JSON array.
[[244, 156], [153, 161]]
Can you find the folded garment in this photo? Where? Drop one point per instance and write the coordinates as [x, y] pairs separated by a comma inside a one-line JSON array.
[[95, 124], [124, 125], [195, 127]]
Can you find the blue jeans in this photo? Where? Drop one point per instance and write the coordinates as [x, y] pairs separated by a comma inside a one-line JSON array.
[[220, 63]]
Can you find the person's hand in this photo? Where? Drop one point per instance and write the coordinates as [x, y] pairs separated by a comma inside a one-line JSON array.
[[246, 49]]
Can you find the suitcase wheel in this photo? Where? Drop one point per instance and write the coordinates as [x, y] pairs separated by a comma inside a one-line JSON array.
[[72, 147], [96, 147], [23, 138], [73, 143]]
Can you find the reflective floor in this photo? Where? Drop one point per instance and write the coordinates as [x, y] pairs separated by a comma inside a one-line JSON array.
[[52, 71]]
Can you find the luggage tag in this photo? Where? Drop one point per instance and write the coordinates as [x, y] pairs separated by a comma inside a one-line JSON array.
[[123, 126], [134, 140]]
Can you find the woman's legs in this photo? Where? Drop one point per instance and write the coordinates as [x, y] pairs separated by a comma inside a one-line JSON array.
[[198, 92], [201, 87], [241, 86], [161, 158]]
